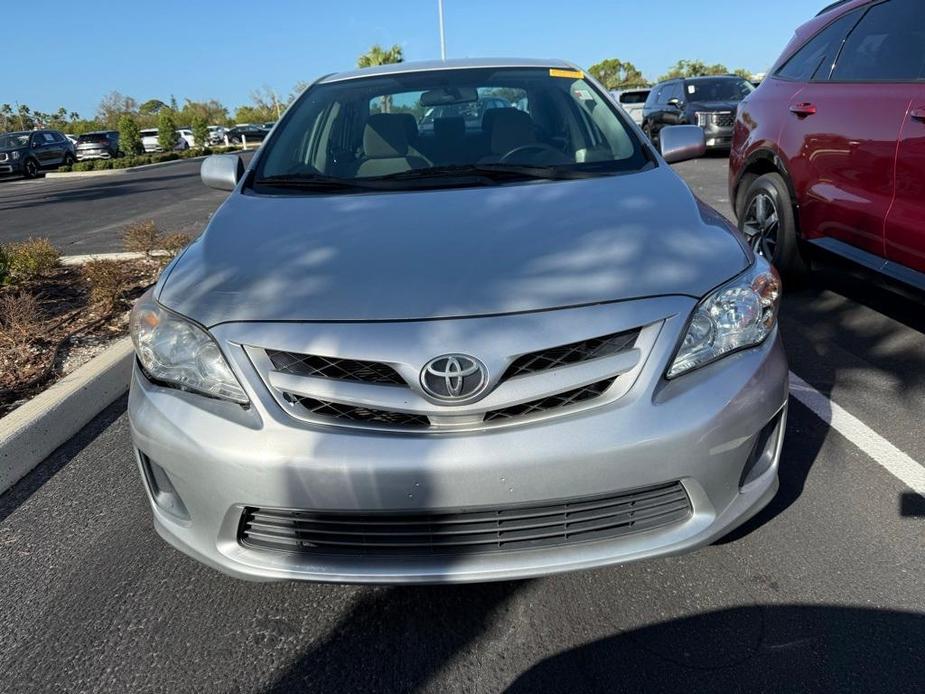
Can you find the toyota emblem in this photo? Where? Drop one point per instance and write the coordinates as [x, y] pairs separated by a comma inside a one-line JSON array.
[[454, 377]]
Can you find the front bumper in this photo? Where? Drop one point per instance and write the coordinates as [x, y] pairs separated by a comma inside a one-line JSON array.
[[700, 429]]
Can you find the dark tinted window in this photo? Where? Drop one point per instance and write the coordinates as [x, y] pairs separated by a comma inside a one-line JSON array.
[[887, 44], [633, 97], [814, 60], [674, 91]]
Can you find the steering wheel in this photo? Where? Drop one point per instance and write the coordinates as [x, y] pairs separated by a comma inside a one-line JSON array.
[[534, 147]]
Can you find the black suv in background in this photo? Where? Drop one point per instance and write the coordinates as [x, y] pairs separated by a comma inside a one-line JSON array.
[[709, 102], [103, 144], [28, 152]]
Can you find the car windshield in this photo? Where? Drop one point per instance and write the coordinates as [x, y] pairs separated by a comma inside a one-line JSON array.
[[14, 140], [480, 122], [148, 133], [722, 89]]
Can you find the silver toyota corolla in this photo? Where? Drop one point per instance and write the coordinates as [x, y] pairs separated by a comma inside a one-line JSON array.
[[457, 321]]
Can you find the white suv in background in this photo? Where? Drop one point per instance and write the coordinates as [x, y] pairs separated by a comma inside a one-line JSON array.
[[632, 101]]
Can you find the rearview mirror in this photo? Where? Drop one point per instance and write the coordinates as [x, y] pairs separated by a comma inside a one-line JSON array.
[[675, 102], [222, 171], [682, 142], [449, 95]]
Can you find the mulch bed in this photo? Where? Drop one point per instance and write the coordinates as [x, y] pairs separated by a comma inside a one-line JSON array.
[[66, 322]]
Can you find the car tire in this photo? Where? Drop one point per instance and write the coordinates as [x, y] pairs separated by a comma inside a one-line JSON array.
[[69, 159], [30, 168], [768, 221]]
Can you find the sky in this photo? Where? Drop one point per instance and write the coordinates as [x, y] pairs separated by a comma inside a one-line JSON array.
[[226, 50]]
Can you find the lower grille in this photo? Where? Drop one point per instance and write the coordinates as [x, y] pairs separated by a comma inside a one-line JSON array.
[[467, 532], [552, 402], [354, 413], [724, 119]]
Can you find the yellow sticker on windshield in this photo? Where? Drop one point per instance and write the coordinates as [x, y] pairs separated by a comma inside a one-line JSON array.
[[571, 74]]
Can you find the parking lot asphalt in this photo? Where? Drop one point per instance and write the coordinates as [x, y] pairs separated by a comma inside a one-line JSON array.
[[87, 214], [822, 591]]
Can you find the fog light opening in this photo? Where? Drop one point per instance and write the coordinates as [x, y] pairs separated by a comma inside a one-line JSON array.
[[162, 489], [763, 451]]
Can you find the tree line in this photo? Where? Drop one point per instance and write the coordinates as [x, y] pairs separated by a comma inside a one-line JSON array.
[[617, 74]]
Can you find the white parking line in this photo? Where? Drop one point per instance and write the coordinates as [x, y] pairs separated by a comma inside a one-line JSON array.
[[884, 453]]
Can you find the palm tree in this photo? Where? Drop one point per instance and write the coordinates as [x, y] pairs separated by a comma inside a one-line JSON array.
[[377, 55]]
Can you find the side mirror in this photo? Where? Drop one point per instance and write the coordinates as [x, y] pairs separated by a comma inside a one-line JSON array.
[[677, 103], [222, 171], [682, 142]]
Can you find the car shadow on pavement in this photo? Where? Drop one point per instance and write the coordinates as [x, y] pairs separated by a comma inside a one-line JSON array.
[[911, 505], [397, 638], [771, 648], [20, 492]]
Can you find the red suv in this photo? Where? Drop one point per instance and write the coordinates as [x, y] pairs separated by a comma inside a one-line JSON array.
[[830, 150]]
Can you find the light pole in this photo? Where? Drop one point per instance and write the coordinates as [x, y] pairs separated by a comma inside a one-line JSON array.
[[442, 32]]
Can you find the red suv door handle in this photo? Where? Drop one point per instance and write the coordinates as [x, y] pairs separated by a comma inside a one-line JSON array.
[[804, 109], [918, 113]]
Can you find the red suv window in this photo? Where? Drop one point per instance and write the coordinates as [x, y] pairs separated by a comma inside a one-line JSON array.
[[815, 59]]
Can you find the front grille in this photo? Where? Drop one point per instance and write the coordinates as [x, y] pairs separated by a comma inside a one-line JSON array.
[[355, 413], [571, 354], [724, 119], [551, 402], [329, 367], [466, 532]]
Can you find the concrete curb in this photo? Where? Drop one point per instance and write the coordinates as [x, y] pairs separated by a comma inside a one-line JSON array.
[[128, 255], [120, 172], [31, 432]]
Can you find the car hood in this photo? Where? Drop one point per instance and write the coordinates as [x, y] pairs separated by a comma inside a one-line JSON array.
[[12, 149], [452, 253]]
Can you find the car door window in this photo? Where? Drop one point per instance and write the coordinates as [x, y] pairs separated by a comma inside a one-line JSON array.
[[814, 60], [888, 44], [49, 138]]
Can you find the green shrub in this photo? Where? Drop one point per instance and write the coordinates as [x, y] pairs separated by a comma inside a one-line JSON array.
[[65, 168], [200, 128], [83, 166], [102, 165], [129, 135], [31, 258], [166, 129]]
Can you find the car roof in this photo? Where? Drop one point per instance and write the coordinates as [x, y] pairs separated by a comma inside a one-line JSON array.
[[828, 15], [454, 64]]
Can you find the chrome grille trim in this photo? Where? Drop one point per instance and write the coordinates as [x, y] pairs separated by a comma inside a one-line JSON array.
[[552, 389]]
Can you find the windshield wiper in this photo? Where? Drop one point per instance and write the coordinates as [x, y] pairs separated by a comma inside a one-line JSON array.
[[314, 182], [494, 172]]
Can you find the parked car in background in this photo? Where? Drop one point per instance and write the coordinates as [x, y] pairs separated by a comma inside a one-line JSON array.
[[633, 101], [545, 356], [216, 134], [29, 152], [72, 138], [149, 140], [251, 133], [709, 102], [187, 136], [103, 144], [829, 152], [151, 143]]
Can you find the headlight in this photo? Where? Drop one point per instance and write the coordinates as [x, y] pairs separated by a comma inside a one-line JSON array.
[[738, 315], [176, 351]]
